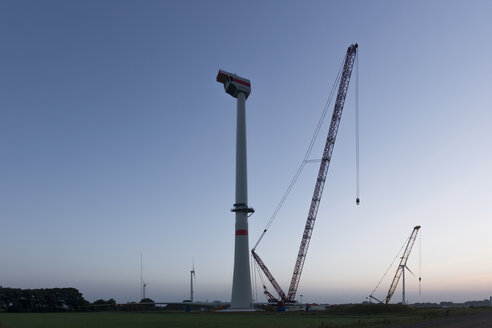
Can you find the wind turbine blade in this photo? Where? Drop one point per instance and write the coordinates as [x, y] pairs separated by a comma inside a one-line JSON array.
[[410, 271]]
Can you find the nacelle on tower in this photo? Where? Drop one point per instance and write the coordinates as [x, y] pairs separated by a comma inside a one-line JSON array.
[[234, 84]]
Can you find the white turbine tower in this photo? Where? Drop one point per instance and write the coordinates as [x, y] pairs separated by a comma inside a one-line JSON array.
[[403, 267], [143, 284], [192, 276], [241, 298]]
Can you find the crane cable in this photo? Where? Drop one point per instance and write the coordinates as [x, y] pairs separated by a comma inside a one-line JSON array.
[[254, 278], [260, 275], [420, 265], [357, 199], [306, 156], [391, 265]]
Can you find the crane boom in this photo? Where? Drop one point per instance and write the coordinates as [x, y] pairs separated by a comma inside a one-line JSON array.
[[403, 263], [323, 169], [318, 189]]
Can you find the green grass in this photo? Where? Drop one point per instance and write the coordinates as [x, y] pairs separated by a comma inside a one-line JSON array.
[[331, 319], [202, 320]]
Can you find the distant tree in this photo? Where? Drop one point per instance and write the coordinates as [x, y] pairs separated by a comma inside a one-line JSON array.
[[145, 306], [130, 306], [103, 305], [41, 300], [146, 300]]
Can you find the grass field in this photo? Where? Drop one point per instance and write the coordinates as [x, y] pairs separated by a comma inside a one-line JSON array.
[[218, 320]]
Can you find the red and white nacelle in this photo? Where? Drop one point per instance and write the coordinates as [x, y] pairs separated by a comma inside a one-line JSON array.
[[234, 84]]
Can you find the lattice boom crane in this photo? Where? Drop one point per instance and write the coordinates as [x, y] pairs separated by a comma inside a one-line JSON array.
[[320, 182], [403, 263]]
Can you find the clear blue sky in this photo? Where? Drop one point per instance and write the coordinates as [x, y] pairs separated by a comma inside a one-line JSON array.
[[116, 140]]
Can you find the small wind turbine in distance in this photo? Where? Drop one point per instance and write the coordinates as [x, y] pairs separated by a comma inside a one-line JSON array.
[[143, 284], [192, 276]]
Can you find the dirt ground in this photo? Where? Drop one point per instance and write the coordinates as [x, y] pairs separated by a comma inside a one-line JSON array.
[[482, 320]]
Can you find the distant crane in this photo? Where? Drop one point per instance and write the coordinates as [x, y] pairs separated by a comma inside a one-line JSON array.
[[318, 190], [403, 265], [400, 271]]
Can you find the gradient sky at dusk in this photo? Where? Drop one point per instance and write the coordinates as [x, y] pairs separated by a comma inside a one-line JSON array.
[[116, 140]]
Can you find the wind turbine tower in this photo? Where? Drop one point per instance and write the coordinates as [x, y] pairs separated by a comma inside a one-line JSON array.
[[241, 299], [143, 284], [192, 275], [403, 301], [403, 267]]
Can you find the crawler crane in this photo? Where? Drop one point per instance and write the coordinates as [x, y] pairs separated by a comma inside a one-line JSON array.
[[318, 190], [400, 271], [403, 265]]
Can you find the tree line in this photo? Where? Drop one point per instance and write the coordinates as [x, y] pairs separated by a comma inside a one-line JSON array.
[[41, 300], [62, 300]]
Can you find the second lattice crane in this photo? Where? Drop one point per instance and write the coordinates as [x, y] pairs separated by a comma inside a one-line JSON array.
[[400, 271]]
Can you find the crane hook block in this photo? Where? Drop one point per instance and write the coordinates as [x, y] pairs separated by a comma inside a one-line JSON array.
[[357, 201]]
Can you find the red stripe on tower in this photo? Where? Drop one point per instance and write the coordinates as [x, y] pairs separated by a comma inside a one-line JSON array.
[[241, 232]]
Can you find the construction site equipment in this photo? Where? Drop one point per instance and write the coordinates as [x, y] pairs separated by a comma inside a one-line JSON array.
[[318, 189], [403, 265]]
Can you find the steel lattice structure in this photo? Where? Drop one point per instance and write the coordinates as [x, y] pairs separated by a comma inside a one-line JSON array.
[[270, 277], [320, 182], [323, 169], [403, 263]]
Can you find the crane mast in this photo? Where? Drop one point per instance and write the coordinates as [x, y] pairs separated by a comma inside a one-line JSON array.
[[320, 182], [403, 263]]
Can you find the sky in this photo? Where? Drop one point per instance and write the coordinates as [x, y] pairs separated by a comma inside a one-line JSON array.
[[116, 141]]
